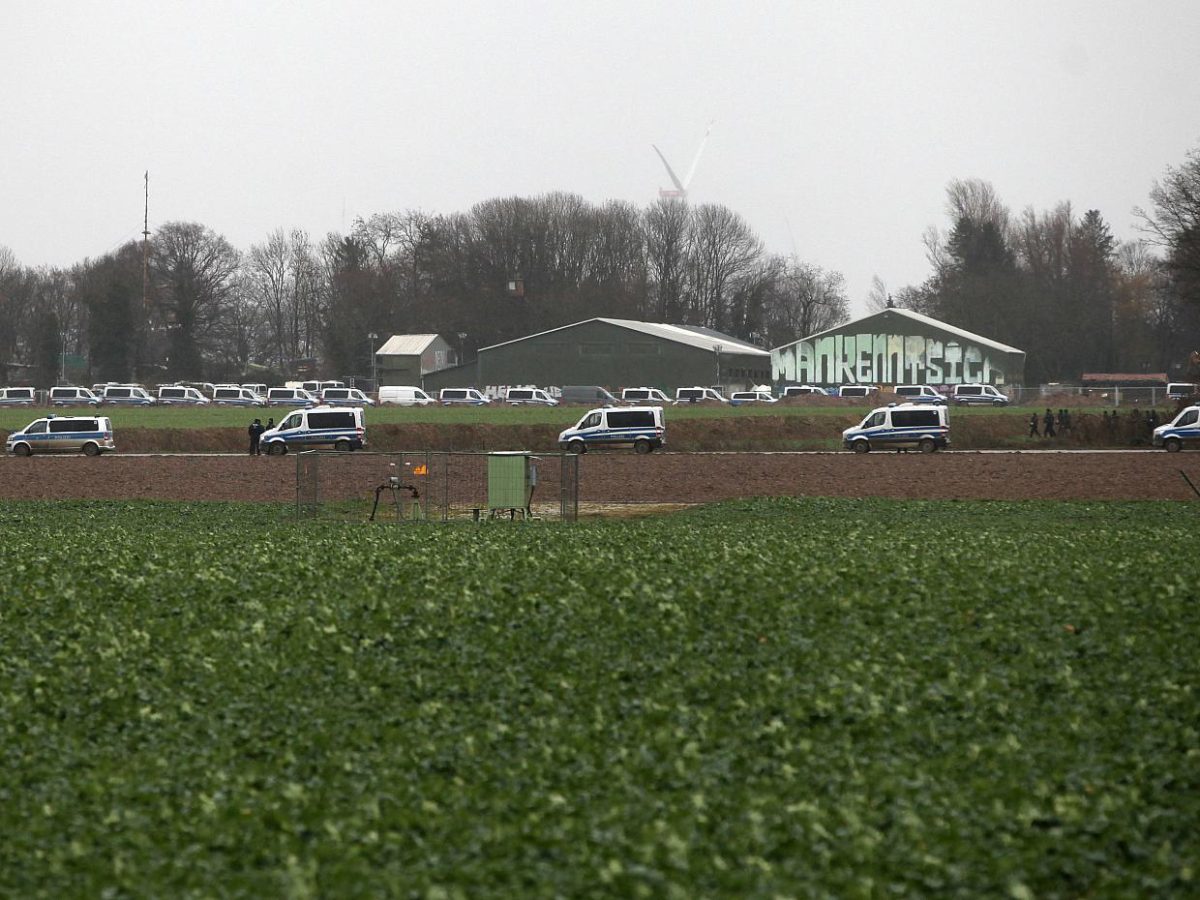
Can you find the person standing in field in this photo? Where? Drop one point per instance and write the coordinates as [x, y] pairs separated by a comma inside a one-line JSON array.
[[1033, 430], [1048, 424], [255, 430]]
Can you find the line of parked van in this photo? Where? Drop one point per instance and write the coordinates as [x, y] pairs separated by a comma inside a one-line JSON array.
[[341, 428]]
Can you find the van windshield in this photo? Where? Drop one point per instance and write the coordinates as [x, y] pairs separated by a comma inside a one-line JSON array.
[[1187, 417]]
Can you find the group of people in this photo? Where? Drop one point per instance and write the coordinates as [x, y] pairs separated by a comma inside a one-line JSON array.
[[1052, 424], [256, 432]]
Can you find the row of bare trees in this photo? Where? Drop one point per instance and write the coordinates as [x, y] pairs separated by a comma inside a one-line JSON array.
[[508, 267], [1057, 285]]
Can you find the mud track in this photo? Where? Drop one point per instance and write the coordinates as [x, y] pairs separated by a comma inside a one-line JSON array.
[[625, 477]]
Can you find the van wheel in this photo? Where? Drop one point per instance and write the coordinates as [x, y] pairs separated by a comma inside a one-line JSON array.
[[23, 450], [862, 447], [1173, 445], [344, 446], [576, 447], [927, 445], [642, 446], [91, 450], [276, 448], [999, 403]]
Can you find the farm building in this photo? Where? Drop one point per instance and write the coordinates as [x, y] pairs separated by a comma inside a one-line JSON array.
[[407, 358], [615, 353], [897, 346]]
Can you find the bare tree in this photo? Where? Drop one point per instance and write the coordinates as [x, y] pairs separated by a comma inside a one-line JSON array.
[[723, 250], [194, 271], [804, 299]]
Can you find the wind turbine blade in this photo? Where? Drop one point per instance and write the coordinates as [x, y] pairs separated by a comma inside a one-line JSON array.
[[696, 161], [670, 171]]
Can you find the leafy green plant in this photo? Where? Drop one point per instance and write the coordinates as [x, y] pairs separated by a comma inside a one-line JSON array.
[[770, 698]]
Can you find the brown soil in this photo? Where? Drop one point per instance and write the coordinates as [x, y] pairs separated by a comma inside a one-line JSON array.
[[627, 478]]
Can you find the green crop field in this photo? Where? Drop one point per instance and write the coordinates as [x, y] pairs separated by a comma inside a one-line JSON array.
[[764, 699]]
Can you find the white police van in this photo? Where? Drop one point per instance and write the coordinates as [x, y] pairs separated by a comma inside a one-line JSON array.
[[20, 396], [523, 396], [900, 426], [126, 395], [919, 393], [978, 395], [67, 395], [467, 396], [1183, 429], [340, 427], [698, 395], [63, 434], [641, 426], [235, 395], [290, 396], [180, 395]]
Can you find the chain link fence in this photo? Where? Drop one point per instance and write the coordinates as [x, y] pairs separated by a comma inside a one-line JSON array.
[[428, 486]]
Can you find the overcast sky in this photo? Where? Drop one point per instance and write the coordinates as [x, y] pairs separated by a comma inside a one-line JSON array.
[[838, 125]]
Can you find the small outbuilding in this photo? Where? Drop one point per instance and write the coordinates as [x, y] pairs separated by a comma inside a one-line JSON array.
[[408, 358], [897, 346]]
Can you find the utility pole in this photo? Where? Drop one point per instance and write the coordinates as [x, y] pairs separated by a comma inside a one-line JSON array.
[[373, 337]]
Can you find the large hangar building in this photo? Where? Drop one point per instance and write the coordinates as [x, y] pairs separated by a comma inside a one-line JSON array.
[[897, 346], [615, 353]]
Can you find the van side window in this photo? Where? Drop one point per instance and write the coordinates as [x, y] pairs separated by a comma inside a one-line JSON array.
[[36, 428], [331, 420], [636, 418], [591, 421], [914, 418], [875, 420], [290, 422]]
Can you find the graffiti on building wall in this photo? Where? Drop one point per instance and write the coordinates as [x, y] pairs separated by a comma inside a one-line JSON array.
[[888, 359]]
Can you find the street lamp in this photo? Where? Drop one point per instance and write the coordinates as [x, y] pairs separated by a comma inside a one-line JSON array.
[[717, 348], [373, 337]]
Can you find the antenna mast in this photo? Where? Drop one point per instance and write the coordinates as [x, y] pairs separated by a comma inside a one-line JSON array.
[[146, 247]]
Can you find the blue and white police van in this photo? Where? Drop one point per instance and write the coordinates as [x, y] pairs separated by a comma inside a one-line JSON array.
[[640, 426], [339, 427], [900, 426], [19, 396], [63, 434], [1183, 429], [235, 395], [126, 395]]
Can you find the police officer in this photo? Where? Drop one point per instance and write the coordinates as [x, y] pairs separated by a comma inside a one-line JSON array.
[[256, 429]]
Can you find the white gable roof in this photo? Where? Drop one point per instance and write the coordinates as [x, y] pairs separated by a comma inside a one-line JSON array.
[[681, 334], [406, 345], [927, 321]]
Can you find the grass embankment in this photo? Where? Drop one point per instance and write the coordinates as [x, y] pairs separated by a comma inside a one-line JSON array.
[[776, 698], [781, 426]]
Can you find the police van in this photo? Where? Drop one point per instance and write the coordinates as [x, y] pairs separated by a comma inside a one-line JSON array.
[[22, 396], [1183, 429], [290, 396], [236, 395], [521, 396], [339, 427], [900, 426], [641, 426], [126, 395], [72, 396], [63, 434], [180, 395]]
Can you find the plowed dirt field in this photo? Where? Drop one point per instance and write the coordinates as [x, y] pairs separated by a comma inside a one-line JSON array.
[[628, 478]]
